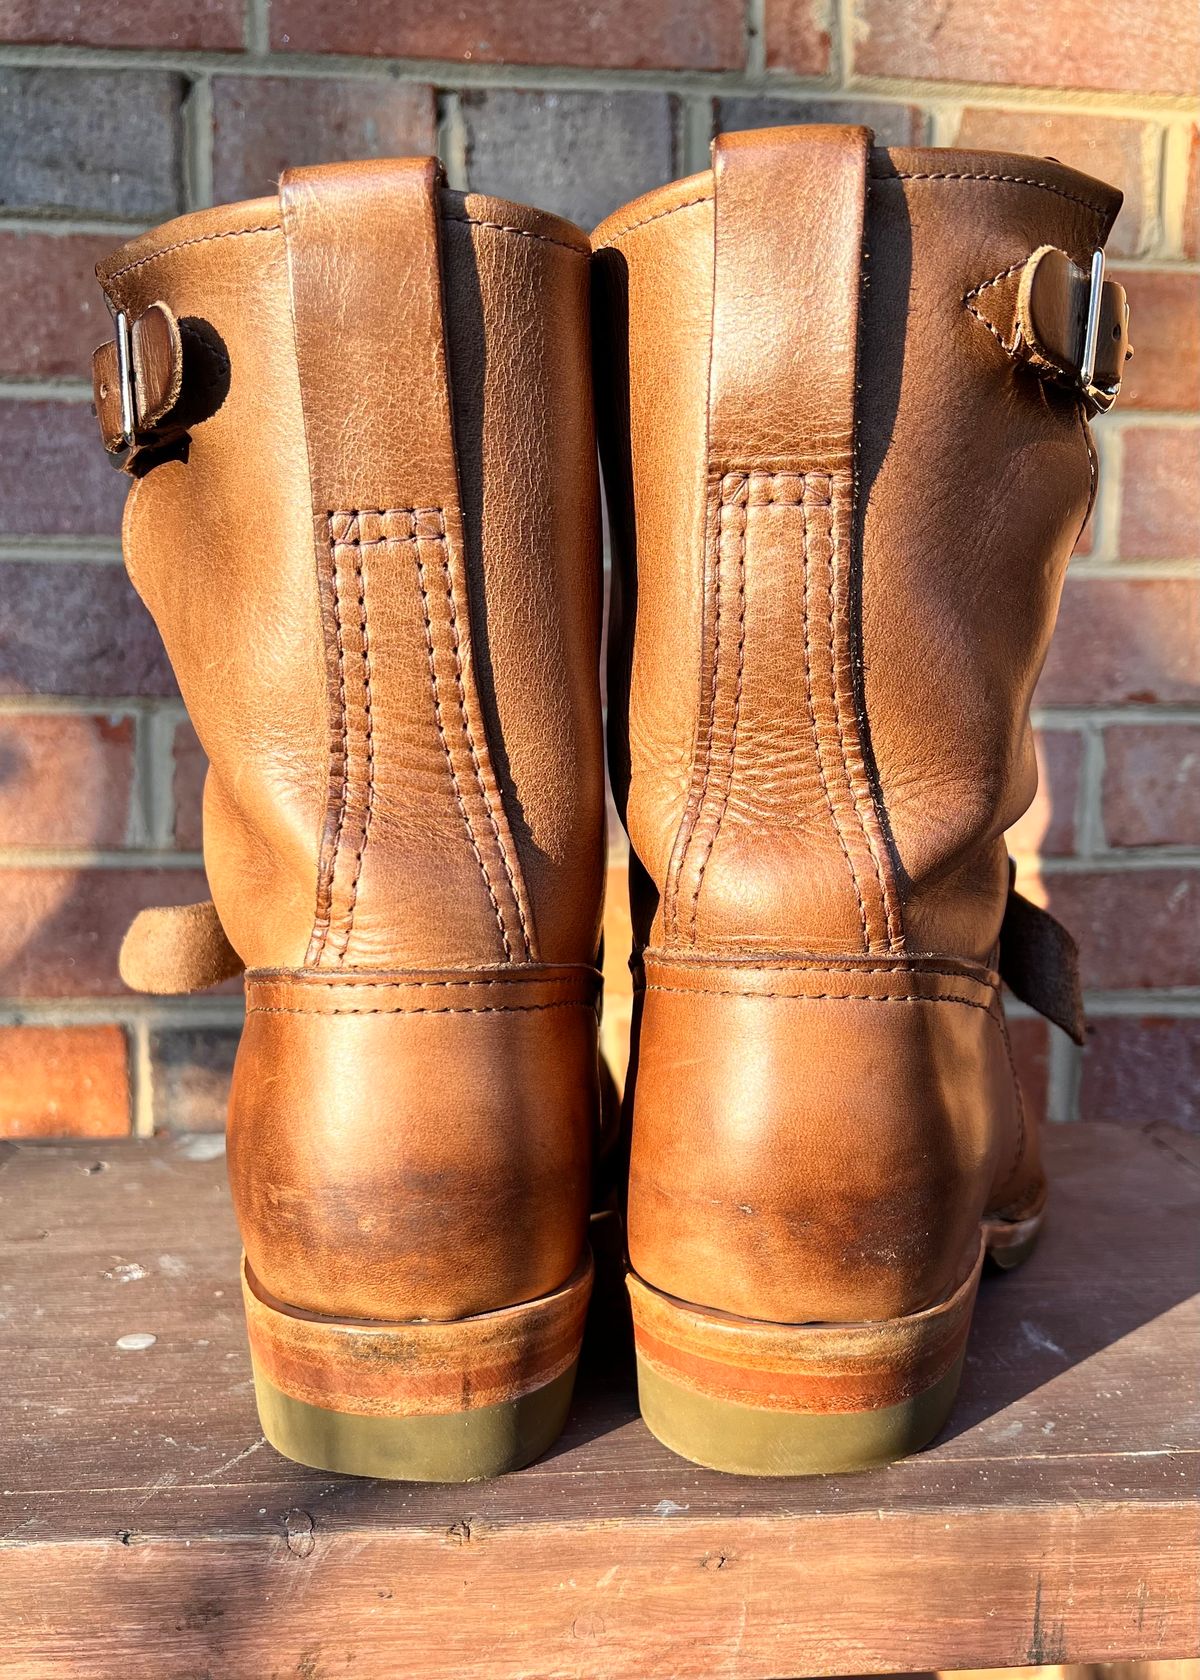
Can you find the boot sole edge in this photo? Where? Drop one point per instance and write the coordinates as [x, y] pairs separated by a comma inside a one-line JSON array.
[[831, 1398], [423, 1401]]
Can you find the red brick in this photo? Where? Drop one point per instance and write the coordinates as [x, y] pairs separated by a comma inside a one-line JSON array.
[[55, 309], [263, 125], [91, 140], [798, 36], [1048, 827], [624, 34], [1030, 1041], [1135, 927], [1160, 494], [1152, 784], [1164, 318], [190, 1070], [63, 1082], [61, 929], [1191, 207], [578, 154], [77, 628], [55, 479], [1112, 149], [65, 780], [191, 766], [1138, 1070], [1147, 48], [893, 125], [215, 24], [1124, 640]]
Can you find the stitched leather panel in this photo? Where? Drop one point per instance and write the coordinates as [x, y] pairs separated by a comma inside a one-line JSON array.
[[409, 746], [778, 752]]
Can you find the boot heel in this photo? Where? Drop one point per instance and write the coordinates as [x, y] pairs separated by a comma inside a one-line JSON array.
[[424, 1401], [763, 1399]]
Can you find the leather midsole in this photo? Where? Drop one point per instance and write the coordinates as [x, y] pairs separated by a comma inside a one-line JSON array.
[[802, 1367], [422, 1367]]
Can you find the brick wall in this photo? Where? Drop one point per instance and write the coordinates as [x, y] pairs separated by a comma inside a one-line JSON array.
[[115, 115]]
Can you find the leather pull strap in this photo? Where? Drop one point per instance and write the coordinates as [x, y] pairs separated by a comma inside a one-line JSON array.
[[364, 265], [790, 212], [780, 712], [1039, 963], [1039, 311]]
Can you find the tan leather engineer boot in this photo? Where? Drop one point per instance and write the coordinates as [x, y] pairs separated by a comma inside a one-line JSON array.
[[846, 397], [358, 418]]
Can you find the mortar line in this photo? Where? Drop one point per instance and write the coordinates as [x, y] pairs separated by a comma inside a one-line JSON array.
[[41, 389], [64, 223], [456, 72], [158, 726], [141, 1079], [697, 124], [138, 830], [1127, 860], [91, 551], [1089, 819], [258, 27], [1154, 142], [89, 705], [453, 139], [98, 858], [158, 1013], [1176, 167], [1106, 510], [198, 144], [1062, 1078], [1074, 717], [755, 37], [841, 30]]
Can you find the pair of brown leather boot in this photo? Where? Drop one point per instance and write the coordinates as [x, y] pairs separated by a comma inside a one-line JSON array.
[[844, 398]]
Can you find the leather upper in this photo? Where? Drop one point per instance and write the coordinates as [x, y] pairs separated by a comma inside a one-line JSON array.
[[393, 672], [363, 512], [843, 497]]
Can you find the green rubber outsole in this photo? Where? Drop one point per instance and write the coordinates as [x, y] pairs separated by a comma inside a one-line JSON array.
[[465, 1446], [756, 1441]]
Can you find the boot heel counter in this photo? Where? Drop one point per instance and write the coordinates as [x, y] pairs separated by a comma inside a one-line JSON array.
[[414, 1146], [818, 1140]]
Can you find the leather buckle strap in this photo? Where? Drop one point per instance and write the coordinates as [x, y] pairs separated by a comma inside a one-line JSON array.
[[1039, 963], [137, 381], [1075, 324], [1069, 324]]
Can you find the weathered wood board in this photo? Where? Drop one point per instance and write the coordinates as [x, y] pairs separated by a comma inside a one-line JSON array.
[[146, 1530]]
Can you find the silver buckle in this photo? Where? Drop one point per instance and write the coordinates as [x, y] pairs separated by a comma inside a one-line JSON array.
[[125, 376], [1101, 396]]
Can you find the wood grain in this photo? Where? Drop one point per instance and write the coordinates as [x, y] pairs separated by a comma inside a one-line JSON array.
[[146, 1530]]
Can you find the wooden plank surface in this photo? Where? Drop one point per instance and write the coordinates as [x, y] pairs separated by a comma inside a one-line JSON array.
[[147, 1530]]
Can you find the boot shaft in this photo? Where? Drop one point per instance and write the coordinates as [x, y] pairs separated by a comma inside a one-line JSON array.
[[364, 516], [374, 562], [842, 522]]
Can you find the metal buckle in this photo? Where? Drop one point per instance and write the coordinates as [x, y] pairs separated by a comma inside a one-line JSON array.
[[125, 376], [1102, 397]]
